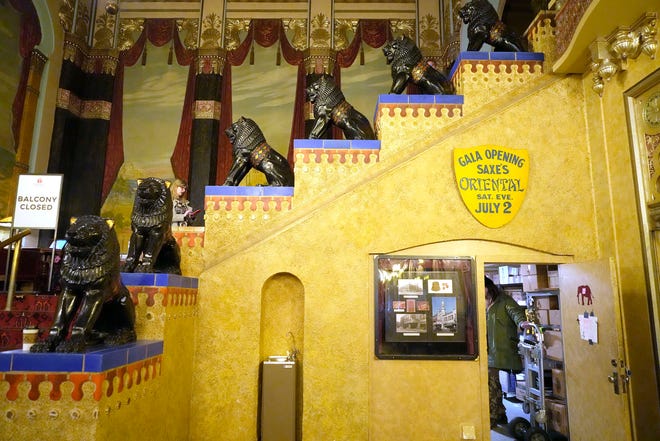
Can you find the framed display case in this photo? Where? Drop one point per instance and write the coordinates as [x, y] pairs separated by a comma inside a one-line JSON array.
[[425, 307]]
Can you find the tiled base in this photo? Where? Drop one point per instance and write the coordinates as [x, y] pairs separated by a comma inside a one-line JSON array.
[[97, 360]]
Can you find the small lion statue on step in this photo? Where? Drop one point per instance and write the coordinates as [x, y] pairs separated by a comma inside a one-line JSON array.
[[330, 107], [250, 150], [485, 26], [408, 66], [152, 248], [93, 296]]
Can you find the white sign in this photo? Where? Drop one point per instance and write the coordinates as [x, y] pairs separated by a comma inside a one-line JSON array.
[[38, 201]]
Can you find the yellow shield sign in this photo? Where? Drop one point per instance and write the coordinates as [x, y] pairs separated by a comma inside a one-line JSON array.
[[492, 181]]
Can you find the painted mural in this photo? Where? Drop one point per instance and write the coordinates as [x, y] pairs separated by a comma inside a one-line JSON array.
[[263, 91], [153, 96], [153, 99]]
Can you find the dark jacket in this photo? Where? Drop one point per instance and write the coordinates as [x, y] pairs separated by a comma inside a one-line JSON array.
[[502, 319]]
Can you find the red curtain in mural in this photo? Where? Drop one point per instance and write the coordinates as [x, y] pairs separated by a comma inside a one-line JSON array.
[[29, 37], [265, 33], [158, 32]]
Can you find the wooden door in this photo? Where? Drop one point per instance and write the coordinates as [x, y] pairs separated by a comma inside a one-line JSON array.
[[595, 410]]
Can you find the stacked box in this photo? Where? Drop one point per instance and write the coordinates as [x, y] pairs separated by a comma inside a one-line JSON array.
[[558, 383], [554, 349], [557, 416], [509, 274], [546, 302], [542, 316], [553, 276], [554, 317], [534, 277]]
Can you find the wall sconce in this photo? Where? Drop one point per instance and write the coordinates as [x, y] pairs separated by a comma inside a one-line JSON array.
[[611, 55]]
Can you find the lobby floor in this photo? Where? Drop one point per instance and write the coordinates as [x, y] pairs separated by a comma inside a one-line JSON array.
[[513, 410]]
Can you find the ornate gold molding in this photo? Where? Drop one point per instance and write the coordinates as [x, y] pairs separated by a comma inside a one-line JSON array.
[[611, 54], [129, 31], [104, 31], [298, 27], [78, 26], [344, 28], [429, 37], [320, 35], [233, 32], [211, 31], [404, 27]]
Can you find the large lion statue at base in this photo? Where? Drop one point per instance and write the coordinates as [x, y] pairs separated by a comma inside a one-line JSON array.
[[152, 248], [250, 150], [485, 26], [94, 303], [408, 66], [330, 107]]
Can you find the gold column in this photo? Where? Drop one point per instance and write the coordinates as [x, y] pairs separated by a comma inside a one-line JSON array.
[[26, 131]]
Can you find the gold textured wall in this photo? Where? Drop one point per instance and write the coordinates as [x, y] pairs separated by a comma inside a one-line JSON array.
[[617, 222], [407, 199]]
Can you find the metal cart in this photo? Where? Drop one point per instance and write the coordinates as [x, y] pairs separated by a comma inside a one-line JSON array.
[[531, 350]]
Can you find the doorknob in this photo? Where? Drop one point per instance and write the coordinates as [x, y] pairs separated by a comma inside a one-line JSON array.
[[614, 379], [625, 379]]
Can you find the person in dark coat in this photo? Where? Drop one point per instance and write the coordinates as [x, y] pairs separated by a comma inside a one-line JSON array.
[[504, 319]]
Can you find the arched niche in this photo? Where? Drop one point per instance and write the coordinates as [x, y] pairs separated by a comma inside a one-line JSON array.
[[282, 316]]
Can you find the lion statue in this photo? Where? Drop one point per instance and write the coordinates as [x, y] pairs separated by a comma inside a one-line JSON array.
[[408, 66], [152, 248], [485, 26], [94, 303], [250, 150], [330, 107]]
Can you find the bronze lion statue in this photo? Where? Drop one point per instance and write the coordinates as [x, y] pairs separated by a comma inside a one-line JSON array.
[[485, 26], [250, 150], [152, 248], [408, 66], [330, 107], [94, 303]]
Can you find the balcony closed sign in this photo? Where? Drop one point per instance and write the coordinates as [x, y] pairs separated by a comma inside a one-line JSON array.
[[492, 181], [37, 201]]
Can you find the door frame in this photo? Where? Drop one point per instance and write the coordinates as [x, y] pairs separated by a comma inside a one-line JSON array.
[[650, 233]]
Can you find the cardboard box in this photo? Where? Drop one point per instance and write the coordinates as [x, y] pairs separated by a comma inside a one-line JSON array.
[[531, 269], [546, 302], [553, 281], [552, 341], [554, 317], [533, 282], [558, 383], [542, 316], [557, 416]]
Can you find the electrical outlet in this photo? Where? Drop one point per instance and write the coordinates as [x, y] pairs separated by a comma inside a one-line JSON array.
[[468, 432]]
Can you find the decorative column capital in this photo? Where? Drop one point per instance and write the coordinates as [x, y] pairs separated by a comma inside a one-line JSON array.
[[319, 60], [210, 61]]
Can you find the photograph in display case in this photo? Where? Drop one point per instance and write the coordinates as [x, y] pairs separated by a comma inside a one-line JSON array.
[[425, 307]]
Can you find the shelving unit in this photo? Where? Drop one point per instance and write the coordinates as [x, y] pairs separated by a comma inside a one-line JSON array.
[[536, 285], [551, 383]]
